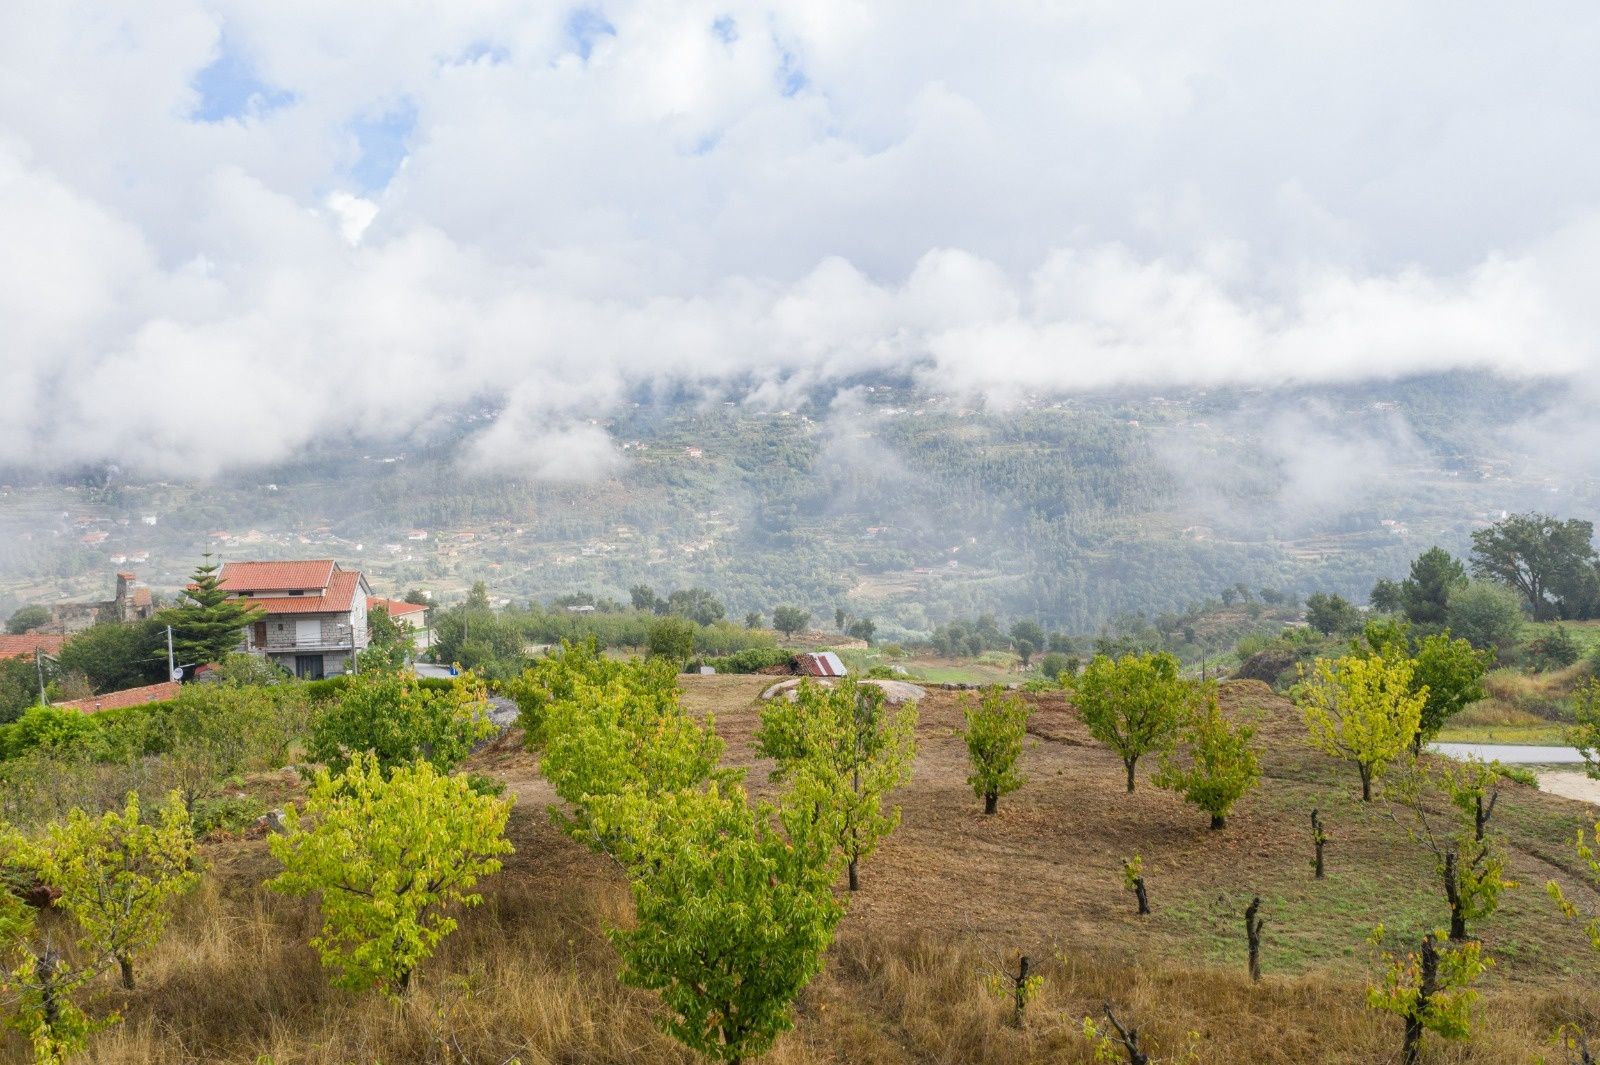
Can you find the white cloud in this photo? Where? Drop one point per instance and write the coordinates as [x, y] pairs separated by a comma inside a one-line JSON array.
[[1016, 198]]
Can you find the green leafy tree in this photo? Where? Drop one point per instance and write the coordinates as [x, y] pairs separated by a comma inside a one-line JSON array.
[[1548, 562], [1219, 765], [1431, 990], [863, 629], [1587, 846], [390, 856], [1132, 704], [734, 911], [119, 876], [1447, 672], [114, 655], [672, 638], [26, 619], [1469, 860], [390, 644], [1487, 616], [697, 605], [1055, 665], [1332, 615], [399, 721], [844, 748], [1027, 633], [206, 623], [790, 620], [1386, 597], [643, 597], [1585, 735], [19, 687], [1362, 709], [752, 620], [1436, 575], [997, 724]]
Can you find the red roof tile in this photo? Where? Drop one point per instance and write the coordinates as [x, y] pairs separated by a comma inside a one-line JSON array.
[[153, 693], [29, 642], [276, 576], [395, 607], [341, 593]]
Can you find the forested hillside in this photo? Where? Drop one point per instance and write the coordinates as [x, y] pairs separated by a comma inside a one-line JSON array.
[[882, 498]]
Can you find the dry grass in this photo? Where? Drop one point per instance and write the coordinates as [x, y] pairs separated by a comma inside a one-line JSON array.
[[951, 897]]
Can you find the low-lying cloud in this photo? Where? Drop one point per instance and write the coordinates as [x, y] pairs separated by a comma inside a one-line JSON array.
[[1030, 202]]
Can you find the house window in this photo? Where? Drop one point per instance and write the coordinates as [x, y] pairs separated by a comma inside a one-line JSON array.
[[307, 632]]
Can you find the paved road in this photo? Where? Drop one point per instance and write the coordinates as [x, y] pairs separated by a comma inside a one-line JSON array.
[[1511, 753]]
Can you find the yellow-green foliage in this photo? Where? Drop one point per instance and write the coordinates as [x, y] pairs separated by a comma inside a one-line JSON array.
[[119, 875], [1442, 1004], [1588, 848], [1586, 736], [1132, 704], [399, 721], [611, 734], [1361, 708], [1222, 765], [844, 748], [734, 913], [389, 858], [996, 726]]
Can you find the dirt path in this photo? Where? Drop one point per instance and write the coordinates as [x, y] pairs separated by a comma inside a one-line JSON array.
[[1570, 784]]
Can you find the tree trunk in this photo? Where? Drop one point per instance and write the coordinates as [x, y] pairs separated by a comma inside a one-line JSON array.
[[126, 964], [991, 801], [1252, 929], [1139, 893], [1130, 762], [1411, 1051], [1218, 822], [1452, 894], [1318, 838], [1366, 782], [855, 881], [1021, 991]]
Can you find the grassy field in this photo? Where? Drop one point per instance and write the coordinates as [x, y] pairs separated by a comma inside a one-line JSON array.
[[950, 898]]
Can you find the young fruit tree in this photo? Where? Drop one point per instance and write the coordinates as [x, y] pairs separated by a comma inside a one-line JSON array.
[[393, 717], [1431, 990], [1221, 766], [1447, 672], [119, 875], [735, 909], [1133, 880], [607, 745], [1586, 735], [1361, 708], [1469, 862], [997, 723], [389, 856], [844, 748], [1132, 704], [38, 987], [1588, 849]]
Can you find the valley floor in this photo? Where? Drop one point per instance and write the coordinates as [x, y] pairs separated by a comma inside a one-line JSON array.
[[950, 898]]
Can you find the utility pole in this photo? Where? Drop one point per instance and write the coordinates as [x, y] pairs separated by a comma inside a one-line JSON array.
[[38, 662], [172, 666]]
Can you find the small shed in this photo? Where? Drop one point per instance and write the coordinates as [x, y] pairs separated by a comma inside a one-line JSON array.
[[820, 664]]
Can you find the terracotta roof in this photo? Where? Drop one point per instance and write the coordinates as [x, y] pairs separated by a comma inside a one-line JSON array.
[[276, 576], [395, 607], [153, 693], [341, 593], [29, 642]]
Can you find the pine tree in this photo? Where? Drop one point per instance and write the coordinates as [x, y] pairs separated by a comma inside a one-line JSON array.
[[206, 623]]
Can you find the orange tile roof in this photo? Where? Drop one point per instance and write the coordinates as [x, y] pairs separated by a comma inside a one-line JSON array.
[[395, 607], [276, 576], [153, 693], [29, 642], [340, 594]]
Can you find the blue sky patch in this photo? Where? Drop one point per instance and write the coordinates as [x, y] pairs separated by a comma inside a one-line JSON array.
[[791, 75], [229, 88], [725, 29], [382, 138], [585, 27]]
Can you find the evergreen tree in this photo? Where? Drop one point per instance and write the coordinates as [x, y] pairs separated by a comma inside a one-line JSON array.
[[206, 623], [1435, 576]]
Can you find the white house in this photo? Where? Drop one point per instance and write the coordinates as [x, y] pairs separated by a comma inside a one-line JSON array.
[[314, 614]]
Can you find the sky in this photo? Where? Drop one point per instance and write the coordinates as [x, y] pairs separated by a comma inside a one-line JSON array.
[[235, 228]]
